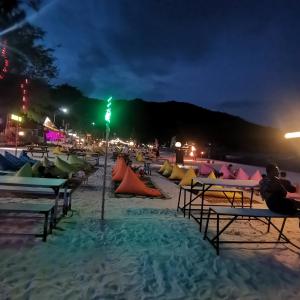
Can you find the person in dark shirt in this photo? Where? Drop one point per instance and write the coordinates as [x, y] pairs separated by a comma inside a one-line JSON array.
[[286, 183], [274, 192]]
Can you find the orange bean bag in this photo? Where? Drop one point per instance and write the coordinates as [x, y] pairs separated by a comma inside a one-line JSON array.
[[131, 184], [120, 172]]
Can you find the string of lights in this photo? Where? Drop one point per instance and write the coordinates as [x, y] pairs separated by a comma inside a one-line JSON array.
[[5, 60], [25, 96]]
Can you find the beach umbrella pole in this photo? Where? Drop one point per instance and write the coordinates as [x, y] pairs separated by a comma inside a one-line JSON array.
[[107, 122], [104, 174]]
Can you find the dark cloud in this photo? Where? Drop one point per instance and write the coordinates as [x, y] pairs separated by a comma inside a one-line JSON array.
[[199, 51]]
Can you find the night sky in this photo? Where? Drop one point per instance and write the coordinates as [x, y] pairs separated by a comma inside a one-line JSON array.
[[241, 57]]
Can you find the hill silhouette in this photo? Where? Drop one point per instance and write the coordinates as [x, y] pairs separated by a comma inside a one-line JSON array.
[[145, 120]]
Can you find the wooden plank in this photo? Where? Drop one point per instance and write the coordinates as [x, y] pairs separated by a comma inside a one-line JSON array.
[[26, 207], [250, 212], [30, 181]]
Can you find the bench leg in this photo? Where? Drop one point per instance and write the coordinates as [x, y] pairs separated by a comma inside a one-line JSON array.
[[45, 227], [217, 238], [51, 221], [178, 204], [281, 229], [184, 202], [202, 206], [242, 195], [56, 206], [206, 227], [269, 224], [70, 201], [251, 197], [65, 207], [191, 197]]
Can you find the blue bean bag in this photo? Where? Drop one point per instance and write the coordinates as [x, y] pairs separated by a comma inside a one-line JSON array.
[[15, 161], [26, 159], [5, 164]]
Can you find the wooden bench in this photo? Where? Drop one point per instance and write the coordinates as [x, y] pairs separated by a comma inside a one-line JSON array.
[[38, 149], [48, 192], [195, 189], [232, 214], [44, 209]]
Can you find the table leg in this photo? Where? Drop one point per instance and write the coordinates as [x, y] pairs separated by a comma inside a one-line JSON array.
[[178, 204], [217, 238], [65, 208], [251, 198], [56, 205], [201, 208], [45, 227]]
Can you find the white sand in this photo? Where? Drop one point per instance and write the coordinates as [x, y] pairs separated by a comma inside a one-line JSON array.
[[143, 250]]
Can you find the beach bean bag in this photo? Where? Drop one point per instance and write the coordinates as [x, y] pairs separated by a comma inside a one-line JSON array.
[[241, 175], [139, 157], [14, 160], [25, 171], [46, 162], [79, 163], [58, 173], [168, 170], [177, 173], [188, 176], [220, 194], [73, 159], [205, 169], [63, 165], [256, 176], [25, 158], [57, 151], [212, 175], [120, 172], [226, 173], [5, 164], [117, 165], [131, 184], [162, 168], [35, 169]]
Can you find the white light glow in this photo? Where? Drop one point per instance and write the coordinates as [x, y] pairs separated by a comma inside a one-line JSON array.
[[292, 135]]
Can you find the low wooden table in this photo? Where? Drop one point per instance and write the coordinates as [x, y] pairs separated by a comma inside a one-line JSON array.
[[54, 184], [38, 149], [32, 208]]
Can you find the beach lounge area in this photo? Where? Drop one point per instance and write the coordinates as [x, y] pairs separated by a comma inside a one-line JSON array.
[[145, 249]]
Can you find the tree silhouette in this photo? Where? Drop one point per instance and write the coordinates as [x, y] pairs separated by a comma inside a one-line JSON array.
[[27, 56]]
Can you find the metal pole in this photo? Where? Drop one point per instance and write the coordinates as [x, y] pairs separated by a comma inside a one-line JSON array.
[[104, 175], [17, 133]]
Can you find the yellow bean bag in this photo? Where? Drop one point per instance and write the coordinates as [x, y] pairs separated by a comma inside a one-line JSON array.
[[177, 173], [220, 194], [187, 178], [162, 168], [168, 170], [139, 157], [57, 151]]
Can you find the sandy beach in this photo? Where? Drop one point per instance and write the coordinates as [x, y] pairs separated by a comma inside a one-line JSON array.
[[144, 249]]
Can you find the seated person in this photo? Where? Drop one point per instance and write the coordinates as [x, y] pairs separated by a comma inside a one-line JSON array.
[[231, 171], [286, 183], [274, 193]]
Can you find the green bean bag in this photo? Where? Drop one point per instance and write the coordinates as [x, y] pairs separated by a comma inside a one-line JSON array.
[[25, 171], [64, 166], [35, 169]]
